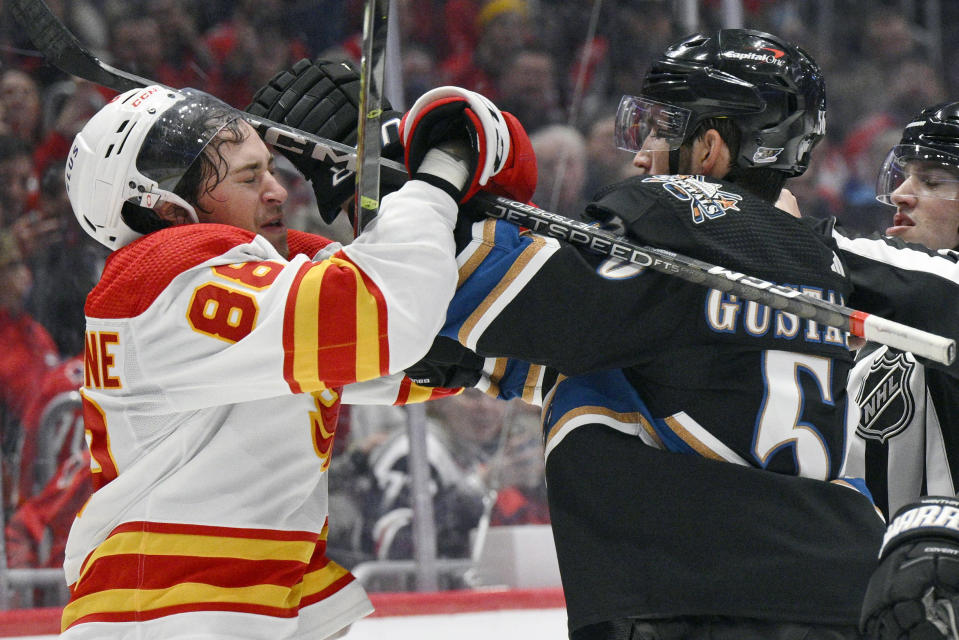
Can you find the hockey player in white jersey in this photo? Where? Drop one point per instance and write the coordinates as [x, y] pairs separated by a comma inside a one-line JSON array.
[[218, 347]]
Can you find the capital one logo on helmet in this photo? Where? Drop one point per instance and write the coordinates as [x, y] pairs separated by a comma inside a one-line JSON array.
[[776, 58]]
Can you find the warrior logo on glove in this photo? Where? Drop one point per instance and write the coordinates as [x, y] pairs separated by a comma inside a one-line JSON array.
[[914, 592]]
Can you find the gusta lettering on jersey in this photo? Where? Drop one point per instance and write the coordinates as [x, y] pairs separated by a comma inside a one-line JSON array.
[[726, 313]]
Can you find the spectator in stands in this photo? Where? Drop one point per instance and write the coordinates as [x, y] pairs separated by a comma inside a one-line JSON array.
[[561, 158], [638, 31], [178, 58], [18, 183], [86, 20], [250, 47], [520, 484], [502, 28], [134, 45], [886, 37], [186, 61], [52, 428], [420, 71], [68, 105], [28, 353], [476, 446], [22, 112], [53, 481], [66, 264], [527, 85], [604, 165]]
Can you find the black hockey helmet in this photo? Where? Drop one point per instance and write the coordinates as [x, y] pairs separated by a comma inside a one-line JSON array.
[[772, 90], [928, 149]]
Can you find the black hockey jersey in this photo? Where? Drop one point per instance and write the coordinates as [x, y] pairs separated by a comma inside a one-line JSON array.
[[719, 376], [646, 532]]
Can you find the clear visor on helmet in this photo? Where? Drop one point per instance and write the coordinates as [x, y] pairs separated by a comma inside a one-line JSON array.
[[638, 118], [180, 134], [918, 171]]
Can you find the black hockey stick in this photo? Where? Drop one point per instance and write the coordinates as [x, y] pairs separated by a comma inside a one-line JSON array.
[[65, 52], [372, 74], [858, 323], [61, 49]]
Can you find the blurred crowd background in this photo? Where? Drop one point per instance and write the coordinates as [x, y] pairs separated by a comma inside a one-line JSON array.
[[560, 66]]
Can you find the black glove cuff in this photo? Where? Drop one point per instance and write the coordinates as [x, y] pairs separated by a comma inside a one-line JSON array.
[[931, 517]]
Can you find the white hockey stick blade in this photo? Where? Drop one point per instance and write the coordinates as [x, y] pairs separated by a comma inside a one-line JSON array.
[[905, 338]]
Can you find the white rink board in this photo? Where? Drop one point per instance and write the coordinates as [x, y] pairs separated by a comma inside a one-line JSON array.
[[527, 624]]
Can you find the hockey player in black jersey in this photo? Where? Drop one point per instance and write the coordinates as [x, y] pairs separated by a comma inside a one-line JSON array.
[[907, 432], [665, 524]]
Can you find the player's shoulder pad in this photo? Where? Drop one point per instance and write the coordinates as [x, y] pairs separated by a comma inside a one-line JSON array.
[[136, 274]]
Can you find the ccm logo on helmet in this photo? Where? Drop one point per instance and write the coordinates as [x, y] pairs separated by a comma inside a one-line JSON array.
[[143, 96]]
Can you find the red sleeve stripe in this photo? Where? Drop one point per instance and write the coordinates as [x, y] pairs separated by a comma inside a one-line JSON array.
[[412, 393], [382, 361], [403, 394], [335, 331]]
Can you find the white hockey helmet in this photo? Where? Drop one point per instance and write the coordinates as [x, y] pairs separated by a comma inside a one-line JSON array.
[[134, 152]]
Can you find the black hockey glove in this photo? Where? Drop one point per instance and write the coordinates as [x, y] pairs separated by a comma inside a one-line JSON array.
[[447, 364], [914, 592], [322, 98]]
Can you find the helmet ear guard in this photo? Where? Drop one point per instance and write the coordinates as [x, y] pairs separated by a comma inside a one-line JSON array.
[[133, 152]]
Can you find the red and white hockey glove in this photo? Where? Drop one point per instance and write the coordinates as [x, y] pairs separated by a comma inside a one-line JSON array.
[[914, 592], [461, 142]]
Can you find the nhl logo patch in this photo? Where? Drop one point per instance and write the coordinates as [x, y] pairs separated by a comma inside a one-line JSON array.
[[885, 399]]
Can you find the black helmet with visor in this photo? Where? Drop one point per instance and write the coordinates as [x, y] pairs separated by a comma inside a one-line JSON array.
[[770, 89]]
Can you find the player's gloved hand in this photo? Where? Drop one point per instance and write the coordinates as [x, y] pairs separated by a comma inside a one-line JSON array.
[[460, 141], [322, 98], [447, 364], [914, 592]]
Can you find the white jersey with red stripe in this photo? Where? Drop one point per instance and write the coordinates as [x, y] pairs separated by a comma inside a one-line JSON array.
[[214, 370]]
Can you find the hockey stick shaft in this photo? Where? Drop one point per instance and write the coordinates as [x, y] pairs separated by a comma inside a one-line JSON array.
[[64, 51], [858, 323], [372, 74]]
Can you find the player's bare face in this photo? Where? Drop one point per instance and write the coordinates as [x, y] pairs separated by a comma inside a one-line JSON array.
[[653, 158], [927, 208], [249, 196]]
